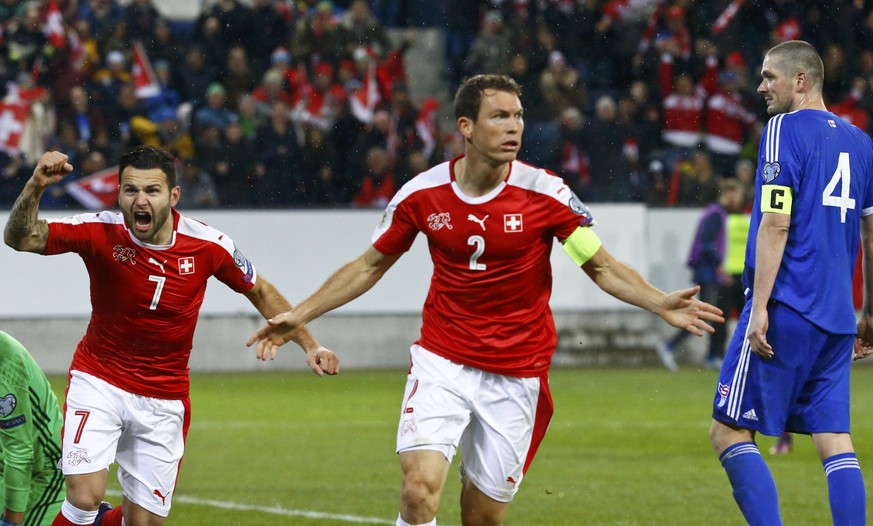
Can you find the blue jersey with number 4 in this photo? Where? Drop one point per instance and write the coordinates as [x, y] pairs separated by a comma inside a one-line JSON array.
[[820, 168]]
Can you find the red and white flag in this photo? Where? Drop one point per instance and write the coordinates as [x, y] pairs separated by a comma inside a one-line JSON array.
[[145, 82], [726, 16], [53, 27], [13, 116], [98, 191], [364, 100], [425, 125]]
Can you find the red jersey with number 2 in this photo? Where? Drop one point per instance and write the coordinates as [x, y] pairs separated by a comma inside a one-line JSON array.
[[145, 299], [488, 303]]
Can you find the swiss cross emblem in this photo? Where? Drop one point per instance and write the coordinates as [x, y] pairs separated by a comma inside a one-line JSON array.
[[186, 265], [512, 223]]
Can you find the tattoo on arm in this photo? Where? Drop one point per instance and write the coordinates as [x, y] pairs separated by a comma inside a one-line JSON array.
[[24, 230]]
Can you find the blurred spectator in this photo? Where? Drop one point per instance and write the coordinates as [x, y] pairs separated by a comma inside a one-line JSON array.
[[141, 18], [569, 160], [279, 173], [82, 115], [270, 29], [693, 182], [234, 168], [270, 90], [319, 38], [214, 113], [164, 130], [194, 76], [683, 107], [728, 121], [560, 86], [212, 42], [604, 140], [197, 188], [238, 76], [376, 184], [492, 49], [324, 186], [24, 41], [359, 28], [162, 44], [110, 78], [235, 20]]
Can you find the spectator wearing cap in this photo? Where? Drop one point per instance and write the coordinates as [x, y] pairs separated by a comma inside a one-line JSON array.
[[270, 90], [112, 76], [214, 113], [163, 129], [280, 60]]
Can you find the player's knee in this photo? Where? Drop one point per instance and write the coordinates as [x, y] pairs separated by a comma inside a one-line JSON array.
[[420, 497]]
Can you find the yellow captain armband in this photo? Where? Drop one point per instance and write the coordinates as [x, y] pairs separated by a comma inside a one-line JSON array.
[[776, 199], [582, 244]]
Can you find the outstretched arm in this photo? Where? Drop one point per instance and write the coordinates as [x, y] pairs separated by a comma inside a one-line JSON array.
[[24, 230], [679, 309], [269, 302], [347, 283]]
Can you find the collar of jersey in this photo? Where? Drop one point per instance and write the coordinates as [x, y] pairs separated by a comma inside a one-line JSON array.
[[477, 200]]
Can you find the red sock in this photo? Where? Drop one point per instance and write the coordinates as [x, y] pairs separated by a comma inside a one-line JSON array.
[[112, 517]]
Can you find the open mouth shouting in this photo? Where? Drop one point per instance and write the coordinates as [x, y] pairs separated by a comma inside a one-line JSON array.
[[142, 221]]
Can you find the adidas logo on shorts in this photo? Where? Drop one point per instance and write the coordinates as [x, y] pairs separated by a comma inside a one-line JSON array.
[[750, 415]]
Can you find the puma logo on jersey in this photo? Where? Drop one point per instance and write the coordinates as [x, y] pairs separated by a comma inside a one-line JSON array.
[[158, 263], [471, 217], [161, 496]]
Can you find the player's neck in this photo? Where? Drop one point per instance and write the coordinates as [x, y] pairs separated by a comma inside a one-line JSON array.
[[806, 101], [477, 178]]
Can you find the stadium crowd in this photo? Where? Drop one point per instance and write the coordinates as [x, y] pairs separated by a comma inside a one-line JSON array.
[[283, 103]]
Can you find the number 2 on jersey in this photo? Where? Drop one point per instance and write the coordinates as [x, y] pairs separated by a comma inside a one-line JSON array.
[[479, 243], [843, 175]]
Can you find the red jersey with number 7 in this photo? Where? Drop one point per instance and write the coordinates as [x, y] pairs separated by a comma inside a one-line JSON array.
[[488, 303], [145, 299]]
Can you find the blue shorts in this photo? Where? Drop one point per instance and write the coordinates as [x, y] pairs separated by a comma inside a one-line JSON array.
[[804, 388]]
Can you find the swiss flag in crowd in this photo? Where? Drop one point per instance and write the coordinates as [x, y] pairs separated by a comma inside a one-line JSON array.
[[364, 100], [53, 28], [13, 115], [425, 125], [97, 191], [145, 81], [725, 18]]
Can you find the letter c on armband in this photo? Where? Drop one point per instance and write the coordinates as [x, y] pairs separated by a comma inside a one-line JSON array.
[[776, 199]]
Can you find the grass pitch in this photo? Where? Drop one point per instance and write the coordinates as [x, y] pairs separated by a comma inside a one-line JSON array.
[[626, 447]]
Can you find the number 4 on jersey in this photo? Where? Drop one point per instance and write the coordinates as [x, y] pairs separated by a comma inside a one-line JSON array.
[[842, 175]]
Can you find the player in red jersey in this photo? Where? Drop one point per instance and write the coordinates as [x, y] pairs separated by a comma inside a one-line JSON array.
[[127, 400], [479, 372]]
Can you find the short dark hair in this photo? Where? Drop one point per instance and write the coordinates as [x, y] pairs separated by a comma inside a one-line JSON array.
[[794, 56], [148, 157], [468, 98]]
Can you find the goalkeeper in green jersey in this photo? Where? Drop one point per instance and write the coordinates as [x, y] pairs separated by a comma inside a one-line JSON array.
[[31, 485]]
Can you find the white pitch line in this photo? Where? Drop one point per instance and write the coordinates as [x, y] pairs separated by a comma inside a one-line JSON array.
[[272, 510]]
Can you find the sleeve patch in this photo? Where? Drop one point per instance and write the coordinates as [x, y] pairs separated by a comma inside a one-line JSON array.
[[15, 422], [776, 199], [7, 405], [581, 245]]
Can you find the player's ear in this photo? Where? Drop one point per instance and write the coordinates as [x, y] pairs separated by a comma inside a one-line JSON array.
[[175, 194], [465, 127]]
